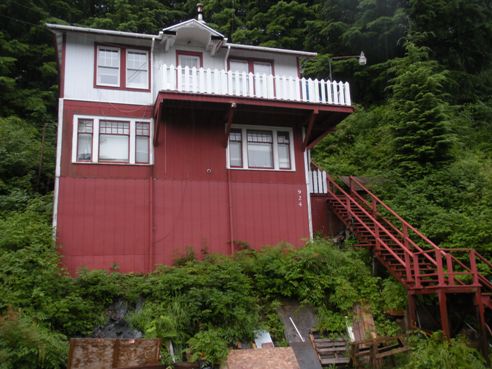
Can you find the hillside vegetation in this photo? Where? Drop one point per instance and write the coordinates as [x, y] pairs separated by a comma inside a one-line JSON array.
[[422, 134]]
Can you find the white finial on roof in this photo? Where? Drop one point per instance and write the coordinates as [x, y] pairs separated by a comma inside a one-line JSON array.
[[199, 9]]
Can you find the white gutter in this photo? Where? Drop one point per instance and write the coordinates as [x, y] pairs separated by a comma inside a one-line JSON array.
[[61, 27], [271, 49]]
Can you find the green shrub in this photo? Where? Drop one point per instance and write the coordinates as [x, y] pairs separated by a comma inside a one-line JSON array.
[[437, 352]]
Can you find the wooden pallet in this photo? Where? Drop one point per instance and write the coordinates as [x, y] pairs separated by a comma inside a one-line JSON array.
[[331, 352]]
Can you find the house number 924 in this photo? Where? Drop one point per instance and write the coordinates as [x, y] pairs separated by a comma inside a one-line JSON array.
[[299, 198]]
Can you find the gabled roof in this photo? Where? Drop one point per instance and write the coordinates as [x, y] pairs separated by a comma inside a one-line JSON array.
[[193, 23]]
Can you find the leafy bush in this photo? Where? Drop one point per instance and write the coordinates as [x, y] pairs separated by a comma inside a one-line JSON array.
[[437, 352], [25, 344], [208, 346]]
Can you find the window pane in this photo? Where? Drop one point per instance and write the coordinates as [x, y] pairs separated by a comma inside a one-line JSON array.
[[84, 146], [136, 78], [189, 61], [239, 66], [283, 156], [108, 57], [283, 140], [142, 129], [260, 149], [113, 147], [137, 60], [235, 153], [142, 149], [114, 127], [262, 68], [108, 76]]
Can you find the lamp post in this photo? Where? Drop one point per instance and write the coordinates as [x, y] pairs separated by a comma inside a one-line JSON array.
[[362, 60]]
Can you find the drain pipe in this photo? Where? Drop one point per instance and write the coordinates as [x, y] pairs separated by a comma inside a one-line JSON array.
[[227, 56]]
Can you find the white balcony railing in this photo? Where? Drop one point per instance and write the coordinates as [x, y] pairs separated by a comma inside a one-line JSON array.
[[317, 181], [259, 86]]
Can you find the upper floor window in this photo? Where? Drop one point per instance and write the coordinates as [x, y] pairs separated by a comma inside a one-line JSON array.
[[137, 69], [121, 67], [189, 59], [112, 140], [108, 66], [257, 147]]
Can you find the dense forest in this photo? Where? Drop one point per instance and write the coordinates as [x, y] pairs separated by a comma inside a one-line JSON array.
[[421, 135]]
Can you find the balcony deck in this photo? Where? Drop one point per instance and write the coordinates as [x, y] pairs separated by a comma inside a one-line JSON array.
[[255, 86]]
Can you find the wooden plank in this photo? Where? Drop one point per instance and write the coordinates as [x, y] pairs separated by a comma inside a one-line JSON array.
[[338, 360]]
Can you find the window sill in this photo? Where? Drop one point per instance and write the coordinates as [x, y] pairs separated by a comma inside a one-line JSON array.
[[264, 170], [110, 163], [132, 89]]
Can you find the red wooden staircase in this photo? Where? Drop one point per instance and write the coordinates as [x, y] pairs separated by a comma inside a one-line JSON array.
[[408, 255]]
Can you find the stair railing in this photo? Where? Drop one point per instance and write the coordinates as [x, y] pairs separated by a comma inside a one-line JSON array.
[[439, 252], [332, 187]]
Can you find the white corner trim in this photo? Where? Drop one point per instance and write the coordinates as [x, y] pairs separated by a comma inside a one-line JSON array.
[[307, 163], [59, 136]]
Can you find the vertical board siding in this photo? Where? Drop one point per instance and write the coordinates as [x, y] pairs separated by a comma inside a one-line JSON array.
[[104, 215], [103, 222]]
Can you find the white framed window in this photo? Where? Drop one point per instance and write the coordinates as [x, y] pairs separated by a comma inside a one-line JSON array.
[[108, 66], [137, 69], [112, 140], [260, 148]]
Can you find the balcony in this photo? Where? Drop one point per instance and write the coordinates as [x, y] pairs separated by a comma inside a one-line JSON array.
[[255, 86]]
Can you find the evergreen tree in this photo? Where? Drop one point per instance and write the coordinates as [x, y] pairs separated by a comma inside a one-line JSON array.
[[422, 129]]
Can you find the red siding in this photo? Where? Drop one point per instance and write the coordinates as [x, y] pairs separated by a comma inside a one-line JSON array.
[[106, 212], [324, 221]]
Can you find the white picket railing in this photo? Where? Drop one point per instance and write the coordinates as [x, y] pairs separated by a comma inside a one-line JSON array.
[[317, 181], [262, 86]]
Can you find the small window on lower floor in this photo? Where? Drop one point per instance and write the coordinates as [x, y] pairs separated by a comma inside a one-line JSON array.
[[84, 140], [252, 147], [111, 140], [142, 134]]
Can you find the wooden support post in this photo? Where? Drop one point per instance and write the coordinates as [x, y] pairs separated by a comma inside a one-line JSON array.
[[157, 121], [480, 310], [443, 312], [411, 311], [310, 124], [229, 118]]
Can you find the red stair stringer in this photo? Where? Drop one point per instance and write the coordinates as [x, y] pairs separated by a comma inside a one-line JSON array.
[[408, 255]]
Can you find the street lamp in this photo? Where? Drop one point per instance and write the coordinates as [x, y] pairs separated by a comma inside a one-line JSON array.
[[362, 60]]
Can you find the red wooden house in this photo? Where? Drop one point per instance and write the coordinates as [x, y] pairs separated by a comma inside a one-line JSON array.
[[183, 140]]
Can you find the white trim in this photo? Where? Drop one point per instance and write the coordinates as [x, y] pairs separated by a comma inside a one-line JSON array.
[[307, 161], [244, 147], [61, 27], [98, 82], [135, 85], [132, 159], [271, 49], [193, 22], [59, 137], [95, 139]]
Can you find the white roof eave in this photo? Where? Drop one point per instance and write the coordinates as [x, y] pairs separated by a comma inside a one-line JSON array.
[[195, 23], [62, 27], [271, 50]]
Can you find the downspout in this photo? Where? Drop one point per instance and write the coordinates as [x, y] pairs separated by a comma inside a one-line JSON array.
[[150, 265], [229, 195], [229, 188], [307, 167], [227, 56]]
